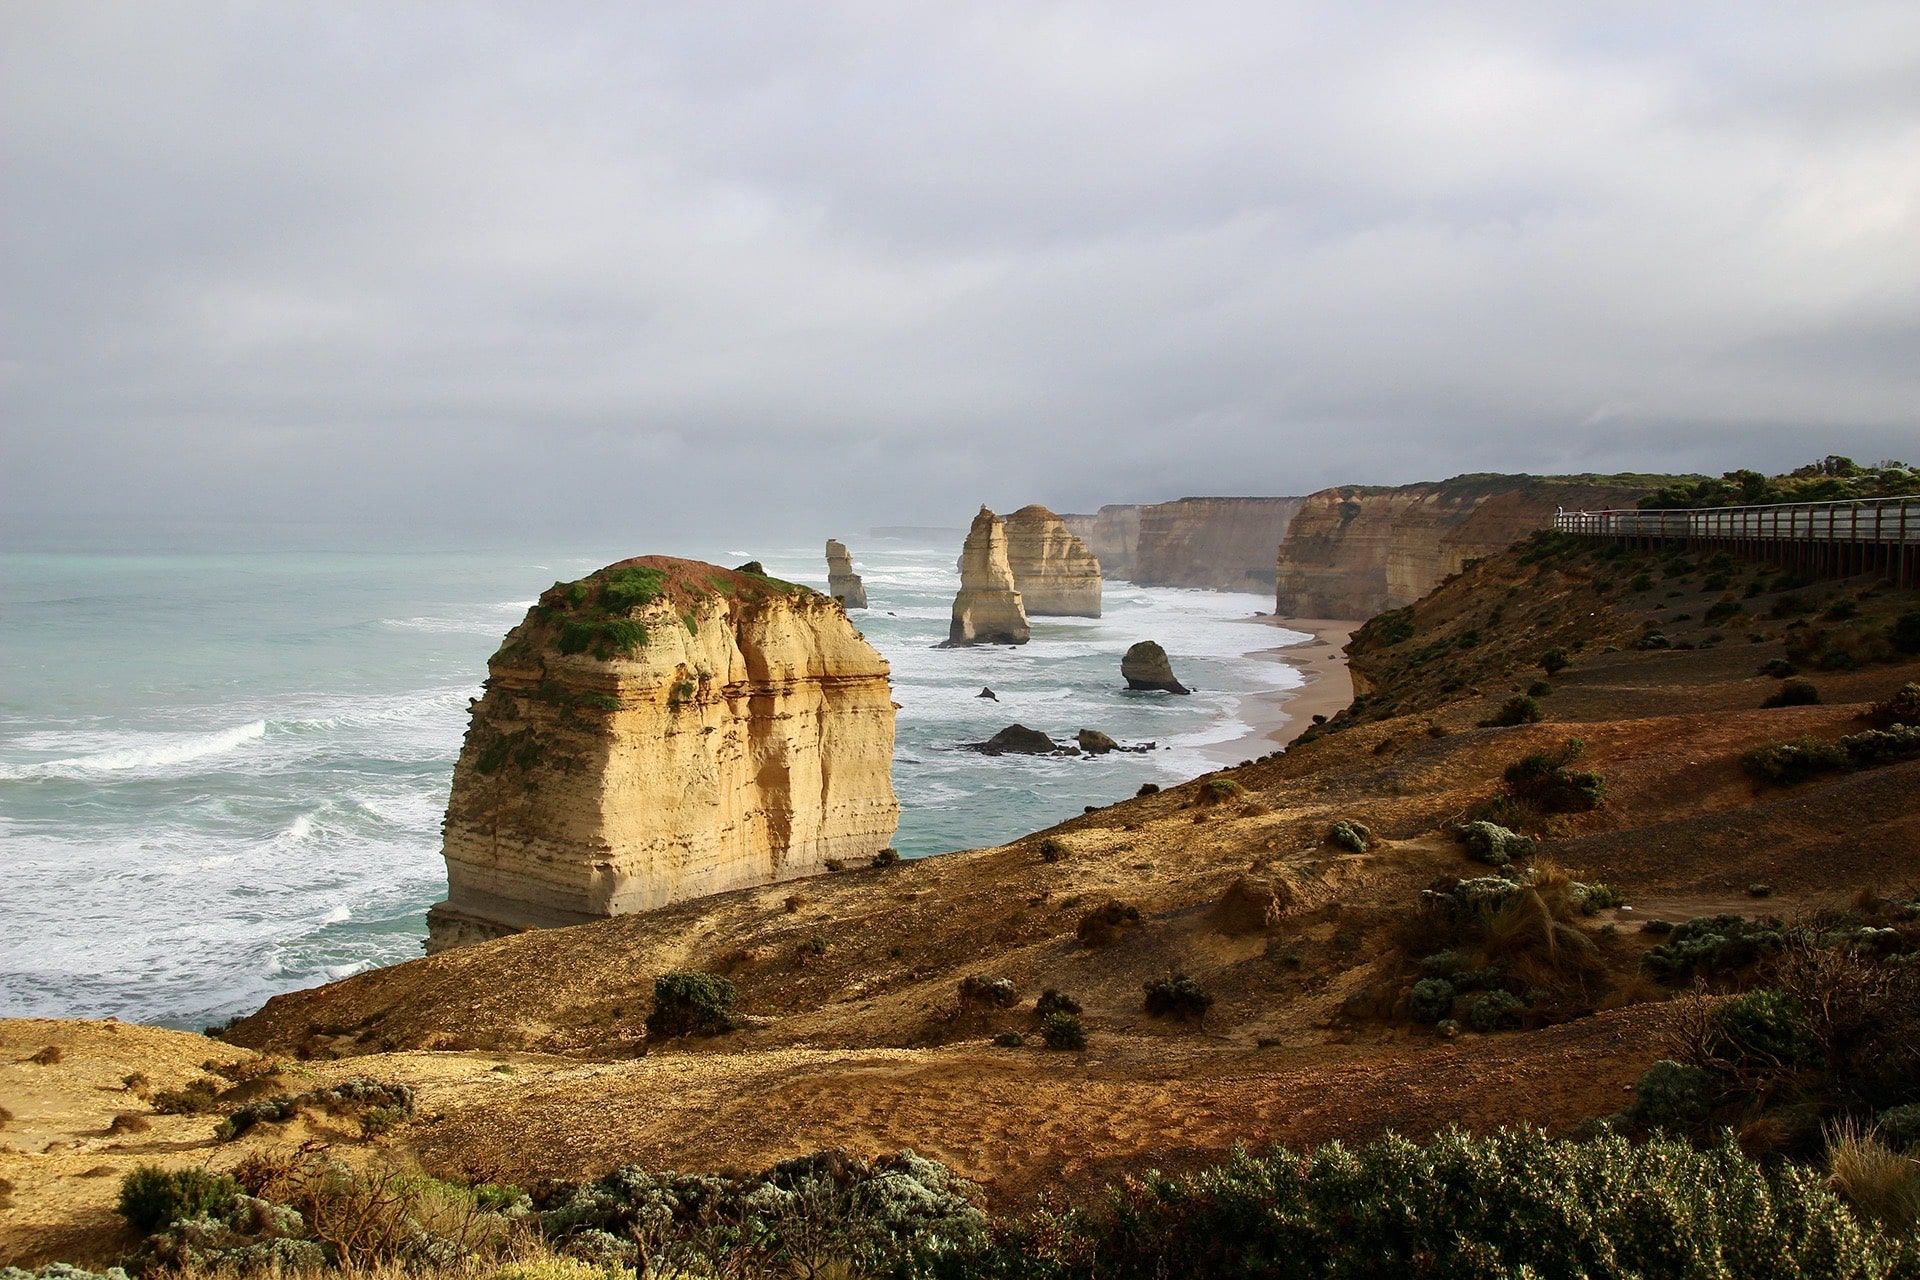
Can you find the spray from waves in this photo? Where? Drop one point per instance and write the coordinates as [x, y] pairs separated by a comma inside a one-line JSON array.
[[173, 749]]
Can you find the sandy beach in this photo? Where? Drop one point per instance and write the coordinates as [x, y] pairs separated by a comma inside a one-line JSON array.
[[1277, 718]]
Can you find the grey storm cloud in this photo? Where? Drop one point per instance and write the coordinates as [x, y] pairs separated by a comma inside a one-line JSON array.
[[550, 267]]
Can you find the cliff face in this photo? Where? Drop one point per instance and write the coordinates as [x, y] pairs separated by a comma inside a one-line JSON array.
[[843, 584], [1354, 552], [658, 731], [1111, 534], [988, 609], [1227, 544], [1055, 573]]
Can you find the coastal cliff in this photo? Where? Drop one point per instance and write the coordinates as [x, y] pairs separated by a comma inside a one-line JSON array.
[[1055, 573], [1355, 551], [1226, 544], [843, 584], [661, 730], [1111, 534], [988, 609]]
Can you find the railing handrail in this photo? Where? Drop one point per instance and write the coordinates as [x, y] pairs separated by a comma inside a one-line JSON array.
[[1757, 506]]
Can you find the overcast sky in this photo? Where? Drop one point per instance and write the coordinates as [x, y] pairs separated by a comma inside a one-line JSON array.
[[549, 268]]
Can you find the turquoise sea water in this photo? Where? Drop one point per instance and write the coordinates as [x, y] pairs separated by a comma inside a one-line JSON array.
[[222, 776]]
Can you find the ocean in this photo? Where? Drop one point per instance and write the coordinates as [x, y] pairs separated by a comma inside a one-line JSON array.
[[222, 776]]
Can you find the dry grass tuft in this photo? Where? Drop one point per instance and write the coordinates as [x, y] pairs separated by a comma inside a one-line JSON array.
[[1882, 1183]]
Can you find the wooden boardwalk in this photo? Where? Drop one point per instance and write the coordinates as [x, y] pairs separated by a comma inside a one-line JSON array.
[[1823, 539]]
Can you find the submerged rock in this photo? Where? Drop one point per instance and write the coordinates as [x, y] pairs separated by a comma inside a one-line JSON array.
[[987, 693], [1017, 739], [843, 584], [988, 609], [1146, 667]]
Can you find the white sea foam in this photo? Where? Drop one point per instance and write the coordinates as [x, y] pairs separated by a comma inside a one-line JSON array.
[[154, 751]]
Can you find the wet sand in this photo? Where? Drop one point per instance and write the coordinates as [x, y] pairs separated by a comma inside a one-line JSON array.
[[1274, 719]]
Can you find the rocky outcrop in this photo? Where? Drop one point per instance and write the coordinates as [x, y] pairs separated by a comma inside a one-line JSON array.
[[661, 730], [1017, 739], [988, 609], [843, 584], [1056, 575], [1354, 552], [1146, 666], [1226, 544], [1111, 535]]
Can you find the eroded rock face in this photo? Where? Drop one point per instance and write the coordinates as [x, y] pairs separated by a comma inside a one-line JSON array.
[[1111, 534], [1146, 666], [658, 731], [1055, 573], [1226, 544], [843, 584], [988, 609], [1354, 552]]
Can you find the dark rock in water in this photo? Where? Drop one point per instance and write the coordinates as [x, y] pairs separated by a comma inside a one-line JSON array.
[[753, 566], [1096, 743], [987, 693], [1146, 667], [1019, 740]]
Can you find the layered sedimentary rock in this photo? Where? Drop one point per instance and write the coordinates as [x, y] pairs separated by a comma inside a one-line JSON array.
[[1111, 534], [1356, 551], [1146, 666], [1227, 544], [1055, 573], [988, 609], [657, 731], [843, 584]]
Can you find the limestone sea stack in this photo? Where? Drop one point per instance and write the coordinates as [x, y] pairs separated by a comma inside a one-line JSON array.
[[843, 584], [660, 730], [988, 609], [1055, 573], [1145, 666]]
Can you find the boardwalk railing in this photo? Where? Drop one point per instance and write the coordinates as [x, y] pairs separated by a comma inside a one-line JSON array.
[[1831, 539]]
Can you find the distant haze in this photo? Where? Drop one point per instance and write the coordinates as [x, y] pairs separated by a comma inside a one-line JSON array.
[[420, 271]]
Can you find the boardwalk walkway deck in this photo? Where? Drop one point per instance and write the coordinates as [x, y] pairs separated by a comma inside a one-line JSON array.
[[1825, 539]]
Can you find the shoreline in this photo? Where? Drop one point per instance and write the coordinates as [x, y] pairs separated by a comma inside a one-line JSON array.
[[1276, 717]]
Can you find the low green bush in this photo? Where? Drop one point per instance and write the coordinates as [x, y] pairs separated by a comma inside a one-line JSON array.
[[1517, 710], [691, 1004], [1063, 1032], [1539, 689], [1352, 836], [886, 858], [1555, 660], [1543, 780], [1672, 1096], [983, 989], [1903, 708], [1784, 763], [1052, 1002], [152, 1198], [1431, 1000], [1493, 844], [1495, 1010], [1794, 693], [1177, 996], [1762, 1029], [1713, 945]]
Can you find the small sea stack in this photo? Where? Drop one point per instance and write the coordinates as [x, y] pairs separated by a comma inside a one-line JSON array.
[[1146, 666], [1056, 575], [843, 584], [988, 609]]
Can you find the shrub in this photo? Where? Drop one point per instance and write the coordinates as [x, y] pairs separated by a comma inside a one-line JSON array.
[[630, 587], [1763, 1029], [1778, 668], [1431, 1000], [1555, 660], [886, 858], [1511, 812], [1148, 789], [1218, 790], [1713, 945], [687, 1003], [152, 1198], [1352, 836], [1903, 708], [1494, 1011], [1794, 693], [1052, 1002], [1784, 763], [1493, 844], [1543, 780], [1671, 1095], [1010, 1040], [196, 1097], [1599, 897], [1052, 850], [1539, 689], [1655, 639], [836, 864], [1517, 710], [1062, 1031], [1178, 996], [1899, 1127], [984, 989]]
